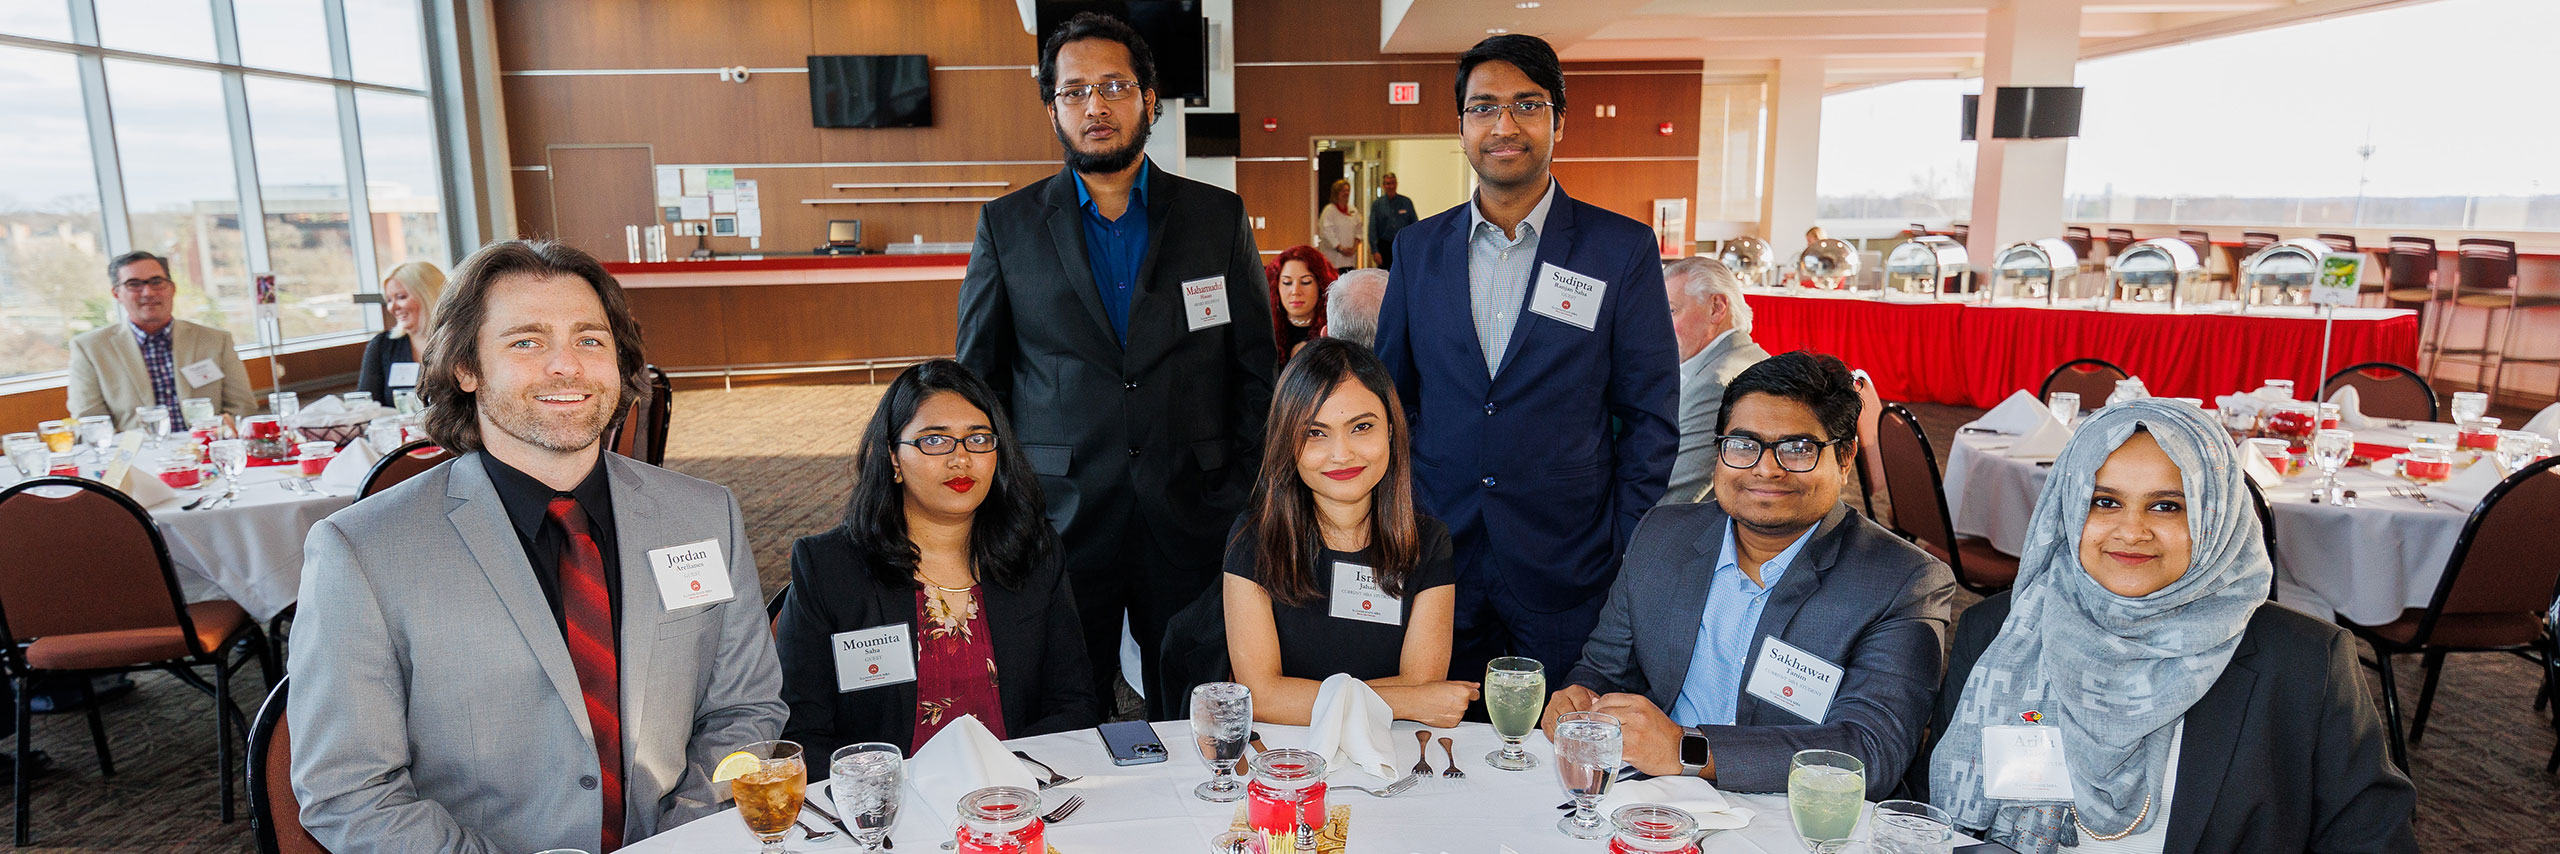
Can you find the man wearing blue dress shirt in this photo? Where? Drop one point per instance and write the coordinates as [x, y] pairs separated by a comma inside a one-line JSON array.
[[1770, 618]]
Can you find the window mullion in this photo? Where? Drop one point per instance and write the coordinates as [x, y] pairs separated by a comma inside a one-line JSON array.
[[103, 159]]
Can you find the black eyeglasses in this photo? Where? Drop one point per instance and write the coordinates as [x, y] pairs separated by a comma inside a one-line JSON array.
[[1521, 111], [1112, 90], [938, 445], [154, 283], [1795, 455]]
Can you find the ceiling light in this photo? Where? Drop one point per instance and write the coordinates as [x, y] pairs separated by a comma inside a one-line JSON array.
[[1495, 31], [1530, 4]]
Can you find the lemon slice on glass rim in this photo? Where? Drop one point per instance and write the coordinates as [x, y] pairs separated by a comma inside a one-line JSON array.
[[735, 764]]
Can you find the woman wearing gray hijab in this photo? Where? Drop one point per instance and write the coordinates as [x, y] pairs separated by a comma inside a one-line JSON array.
[[2137, 652]]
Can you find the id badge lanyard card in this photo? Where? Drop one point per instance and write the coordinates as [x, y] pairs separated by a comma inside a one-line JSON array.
[[2024, 761]]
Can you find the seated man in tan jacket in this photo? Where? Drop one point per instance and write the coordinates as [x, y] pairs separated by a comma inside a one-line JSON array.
[[153, 357]]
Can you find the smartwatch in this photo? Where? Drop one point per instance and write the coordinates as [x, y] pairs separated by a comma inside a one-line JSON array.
[[1693, 752]]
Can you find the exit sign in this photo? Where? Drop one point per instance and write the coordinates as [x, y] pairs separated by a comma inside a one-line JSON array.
[[1404, 93]]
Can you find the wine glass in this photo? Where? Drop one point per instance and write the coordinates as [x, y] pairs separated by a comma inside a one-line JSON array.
[[2065, 406], [98, 432], [154, 421], [2516, 449], [1589, 749], [2330, 450], [284, 404], [2468, 405], [1515, 694], [2240, 423], [1911, 827], [230, 458], [866, 780], [29, 454], [1221, 723]]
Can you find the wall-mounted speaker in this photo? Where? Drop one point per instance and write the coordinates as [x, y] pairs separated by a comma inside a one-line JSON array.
[[2035, 112], [1972, 115]]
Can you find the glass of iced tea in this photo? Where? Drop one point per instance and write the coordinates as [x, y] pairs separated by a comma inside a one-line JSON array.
[[771, 781]]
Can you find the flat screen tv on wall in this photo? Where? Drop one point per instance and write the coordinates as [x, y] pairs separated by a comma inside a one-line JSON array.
[[871, 91]]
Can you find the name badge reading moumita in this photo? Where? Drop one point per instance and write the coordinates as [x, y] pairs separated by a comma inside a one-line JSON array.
[[870, 658]]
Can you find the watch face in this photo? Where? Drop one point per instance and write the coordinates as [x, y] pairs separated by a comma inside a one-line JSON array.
[[1693, 749]]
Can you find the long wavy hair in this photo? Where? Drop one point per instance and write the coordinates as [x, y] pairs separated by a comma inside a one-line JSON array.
[[453, 341], [1283, 510], [1325, 274], [1010, 533]]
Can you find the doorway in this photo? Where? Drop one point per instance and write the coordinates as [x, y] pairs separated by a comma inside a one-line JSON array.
[[1430, 170]]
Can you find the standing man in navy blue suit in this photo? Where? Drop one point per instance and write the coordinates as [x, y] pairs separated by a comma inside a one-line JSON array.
[[1530, 338]]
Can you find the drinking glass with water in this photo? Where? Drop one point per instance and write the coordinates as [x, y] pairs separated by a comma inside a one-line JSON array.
[[1515, 695], [1911, 827], [1221, 722], [865, 781], [1589, 749]]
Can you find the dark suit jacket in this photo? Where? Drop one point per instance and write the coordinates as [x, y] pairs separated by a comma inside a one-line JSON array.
[[2284, 753], [1042, 680], [1858, 596], [1169, 429], [379, 354], [1525, 467]]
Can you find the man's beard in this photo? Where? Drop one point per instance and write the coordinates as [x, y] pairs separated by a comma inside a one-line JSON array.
[[1108, 162], [527, 423]]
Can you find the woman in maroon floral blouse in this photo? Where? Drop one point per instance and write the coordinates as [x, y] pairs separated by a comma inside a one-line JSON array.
[[942, 585]]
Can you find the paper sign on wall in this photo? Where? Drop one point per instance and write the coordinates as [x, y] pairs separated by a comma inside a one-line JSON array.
[[750, 213], [696, 207], [721, 179], [670, 186], [724, 201]]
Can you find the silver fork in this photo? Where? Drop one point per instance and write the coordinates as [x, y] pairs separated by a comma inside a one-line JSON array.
[[1391, 790], [1074, 802]]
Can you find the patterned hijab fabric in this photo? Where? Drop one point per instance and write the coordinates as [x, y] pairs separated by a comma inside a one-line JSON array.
[[2113, 674]]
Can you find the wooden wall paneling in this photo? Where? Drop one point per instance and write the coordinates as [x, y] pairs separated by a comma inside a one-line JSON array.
[[690, 118], [952, 32], [681, 328], [1630, 187], [830, 323], [533, 205], [1307, 31], [536, 34], [977, 115], [612, 188], [1319, 101], [1283, 194], [1643, 102]]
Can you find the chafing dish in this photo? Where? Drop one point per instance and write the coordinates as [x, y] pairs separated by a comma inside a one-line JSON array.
[[1751, 260], [1828, 263], [1928, 265], [2158, 270], [2036, 270], [2281, 274]]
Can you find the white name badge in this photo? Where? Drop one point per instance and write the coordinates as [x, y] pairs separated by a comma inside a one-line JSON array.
[[403, 375], [1568, 296], [203, 373], [870, 658], [1793, 679], [2024, 763], [1204, 303], [691, 574], [1357, 596]]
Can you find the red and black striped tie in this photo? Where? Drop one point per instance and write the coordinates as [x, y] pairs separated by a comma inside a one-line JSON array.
[[586, 611]]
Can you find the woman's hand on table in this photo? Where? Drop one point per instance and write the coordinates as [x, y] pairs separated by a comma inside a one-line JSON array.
[[1436, 704]]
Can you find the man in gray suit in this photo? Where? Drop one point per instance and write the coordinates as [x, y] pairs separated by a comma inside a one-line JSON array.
[[537, 645], [1774, 618], [1713, 324]]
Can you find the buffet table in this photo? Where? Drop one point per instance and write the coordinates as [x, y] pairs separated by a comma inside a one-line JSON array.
[[1149, 808], [1974, 355]]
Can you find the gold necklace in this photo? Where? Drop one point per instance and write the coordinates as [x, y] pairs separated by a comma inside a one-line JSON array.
[[2128, 829]]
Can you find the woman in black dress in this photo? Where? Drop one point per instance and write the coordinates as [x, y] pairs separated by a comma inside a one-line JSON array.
[[391, 358], [1332, 570]]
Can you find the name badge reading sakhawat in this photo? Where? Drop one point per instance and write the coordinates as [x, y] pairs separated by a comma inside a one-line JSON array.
[[1792, 679]]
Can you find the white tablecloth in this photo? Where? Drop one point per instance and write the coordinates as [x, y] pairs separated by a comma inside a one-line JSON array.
[[2366, 562], [1149, 808], [249, 551]]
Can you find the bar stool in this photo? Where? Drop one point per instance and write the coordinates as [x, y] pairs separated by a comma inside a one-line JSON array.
[[2485, 277], [2233, 256], [2118, 240], [2077, 236], [1962, 231], [2409, 281]]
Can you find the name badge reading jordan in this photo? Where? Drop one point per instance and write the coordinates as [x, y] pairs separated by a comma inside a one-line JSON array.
[[1357, 596], [2024, 763], [870, 658], [691, 574], [1568, 296], [1204, 303], [1793, 679], [203, 373]]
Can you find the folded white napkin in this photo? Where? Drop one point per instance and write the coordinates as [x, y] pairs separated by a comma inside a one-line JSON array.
[[2349, 416], [2015, 416], [2469, 485], [346, 471], [2261, 471], [331, 411], [2270, 394], [2044, 443], [2247, 404], [1350, 727], [964, 757], [2547, 423], [144, 487], [1694, 796]]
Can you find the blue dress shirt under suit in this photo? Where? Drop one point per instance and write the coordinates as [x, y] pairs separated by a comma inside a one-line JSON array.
[[1115, 249], [1726, 630]]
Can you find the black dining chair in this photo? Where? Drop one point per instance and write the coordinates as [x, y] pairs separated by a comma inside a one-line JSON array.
[[2385, 390], [1919, 496], [2093, 379]]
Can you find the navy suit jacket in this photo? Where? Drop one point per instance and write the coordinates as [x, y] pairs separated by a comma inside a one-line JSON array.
[[1535, 483]]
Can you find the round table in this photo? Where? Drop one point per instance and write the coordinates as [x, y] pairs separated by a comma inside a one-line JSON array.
[[2366, 562], [1149, 808]]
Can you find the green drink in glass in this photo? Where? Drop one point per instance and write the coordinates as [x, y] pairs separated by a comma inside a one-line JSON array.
[[1825, 791], [1515, 693]]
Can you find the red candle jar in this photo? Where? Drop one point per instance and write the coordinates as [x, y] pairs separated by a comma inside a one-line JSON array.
[[2427, 461], [1002, 820], [315, 457], [2478, 434], [2294, 423], [65, 465], [182, 477], [1288, 786], [1652, 829]]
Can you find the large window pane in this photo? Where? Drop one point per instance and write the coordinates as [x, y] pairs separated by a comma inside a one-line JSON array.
[[289, 35], [400, 178], [44, 19], [53, 280], [385, 44], [167, 27], [180, 189], [302, 184], [1894, 154]]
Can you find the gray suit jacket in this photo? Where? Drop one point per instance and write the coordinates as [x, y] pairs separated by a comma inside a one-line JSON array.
[[1702, 381], [109, 378], [1857, 596], [435, 706]]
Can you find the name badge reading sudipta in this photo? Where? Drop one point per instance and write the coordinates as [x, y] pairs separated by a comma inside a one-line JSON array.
[[870, 658], [691, 574]]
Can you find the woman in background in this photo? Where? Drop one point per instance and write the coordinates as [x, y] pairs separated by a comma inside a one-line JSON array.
[[1299, 279], [1338, 228], [391, 358]]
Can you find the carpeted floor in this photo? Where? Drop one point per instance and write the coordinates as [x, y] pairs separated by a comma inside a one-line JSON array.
[[787, 452]]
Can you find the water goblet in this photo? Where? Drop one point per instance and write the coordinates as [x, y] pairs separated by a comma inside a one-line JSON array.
[[1911, 827], [2065, 406], [155, 423], [2468, 405], [866, 781], [2330, 450], [1825, 789], [1221, 723], [1589, 749]]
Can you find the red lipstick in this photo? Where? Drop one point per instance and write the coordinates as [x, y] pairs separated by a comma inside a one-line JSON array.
[[961, 484], [1346, 474]]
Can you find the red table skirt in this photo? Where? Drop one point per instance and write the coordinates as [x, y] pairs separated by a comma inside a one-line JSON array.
[[1974, 356]]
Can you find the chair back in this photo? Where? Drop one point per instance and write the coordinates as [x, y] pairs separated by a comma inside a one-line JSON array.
[[2339, 242], [2252, 241], [407, 462], [2199, 241], [642, 433], [2118, 239], [2412, 262], [2485, 264], [2266, 525], [2502, 562], [2093, 379], [83, 558], [1870, 458], [275, 815], [1912, 481], [2385, 390], [773, 608], [2078, 238]]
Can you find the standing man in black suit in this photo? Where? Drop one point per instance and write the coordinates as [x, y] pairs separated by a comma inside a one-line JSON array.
[[1118, 312]]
